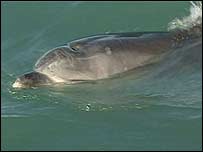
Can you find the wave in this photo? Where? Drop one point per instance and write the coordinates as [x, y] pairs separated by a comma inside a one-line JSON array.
[[12, 116]]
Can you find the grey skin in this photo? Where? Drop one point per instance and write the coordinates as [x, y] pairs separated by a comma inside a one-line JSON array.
[[98, 57]]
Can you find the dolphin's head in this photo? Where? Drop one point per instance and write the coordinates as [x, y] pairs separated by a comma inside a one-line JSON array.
[[31, 79]]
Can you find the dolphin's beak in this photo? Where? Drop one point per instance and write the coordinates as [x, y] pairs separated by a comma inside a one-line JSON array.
[[17, 84]]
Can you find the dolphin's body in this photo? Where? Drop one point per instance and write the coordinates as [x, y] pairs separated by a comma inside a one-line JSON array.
[[98, 57]]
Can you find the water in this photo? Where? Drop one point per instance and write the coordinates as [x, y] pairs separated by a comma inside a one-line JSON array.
[[153, 108]]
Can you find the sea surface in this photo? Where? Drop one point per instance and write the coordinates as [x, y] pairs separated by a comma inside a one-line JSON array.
[[158, 107]]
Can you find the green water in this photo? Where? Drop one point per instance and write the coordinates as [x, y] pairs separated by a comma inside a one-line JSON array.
[[134, 112]]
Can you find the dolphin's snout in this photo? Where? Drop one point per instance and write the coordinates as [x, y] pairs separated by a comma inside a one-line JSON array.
[[17, 84]]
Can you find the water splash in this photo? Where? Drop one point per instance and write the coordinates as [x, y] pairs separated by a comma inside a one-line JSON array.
[[194, 19]]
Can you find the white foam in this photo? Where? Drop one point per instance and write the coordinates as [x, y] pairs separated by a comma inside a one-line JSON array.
[[195, 18]]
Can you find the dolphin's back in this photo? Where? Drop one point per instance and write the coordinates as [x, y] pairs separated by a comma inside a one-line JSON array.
[[123, 41], [116, 53]]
